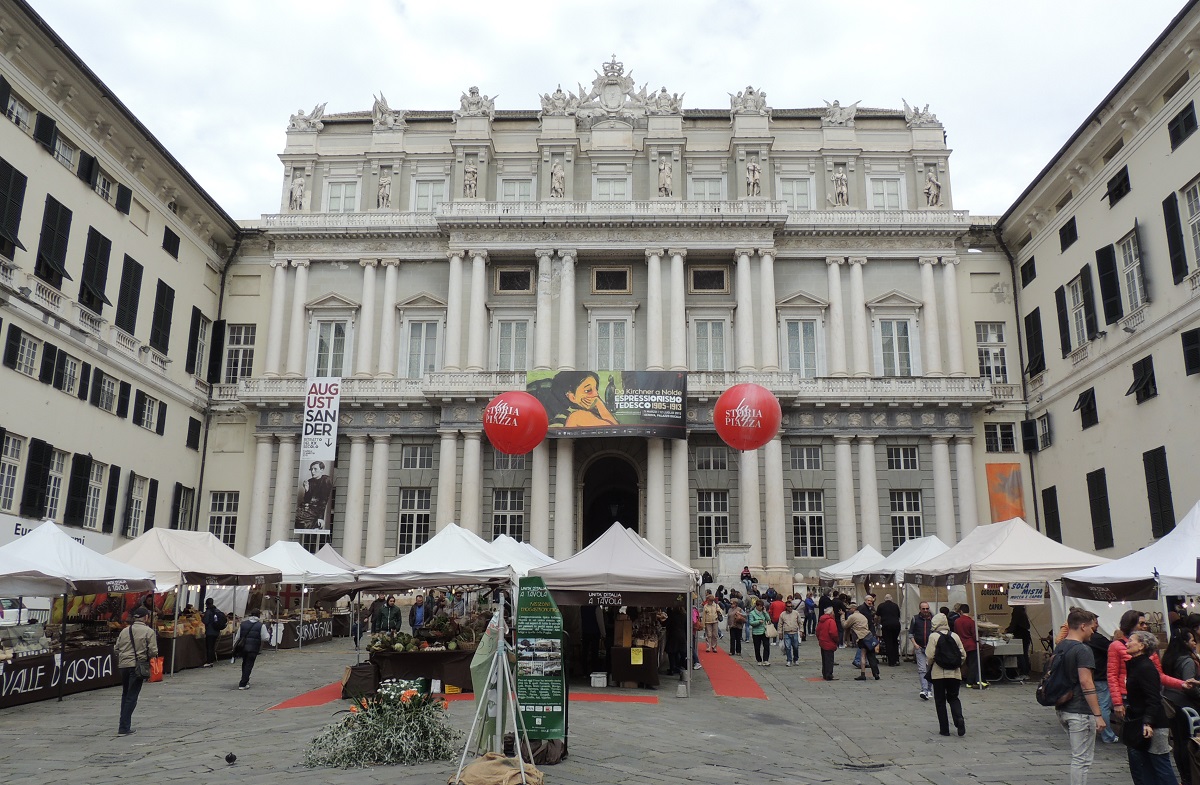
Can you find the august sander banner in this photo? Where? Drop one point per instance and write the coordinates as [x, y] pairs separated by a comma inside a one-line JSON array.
[[318, 453], [612, 403]]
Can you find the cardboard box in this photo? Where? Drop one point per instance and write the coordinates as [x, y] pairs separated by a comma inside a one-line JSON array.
[[623, 632]]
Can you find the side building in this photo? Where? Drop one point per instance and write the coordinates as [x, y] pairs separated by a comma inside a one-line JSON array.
[[111, 259], [1106, 245], [432, 258]]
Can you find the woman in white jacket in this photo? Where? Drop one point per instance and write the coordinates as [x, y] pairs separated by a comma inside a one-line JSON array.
[[946, 681]]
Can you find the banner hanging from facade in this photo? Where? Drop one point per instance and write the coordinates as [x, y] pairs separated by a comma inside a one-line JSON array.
[[612, 403], [541, 672], [318, 455]]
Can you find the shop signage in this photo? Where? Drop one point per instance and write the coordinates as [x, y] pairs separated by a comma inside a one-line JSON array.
[[13, 528], [612, 403], [541, 672], [316, 630], [1026, 593], [318, 454], [30, 679]]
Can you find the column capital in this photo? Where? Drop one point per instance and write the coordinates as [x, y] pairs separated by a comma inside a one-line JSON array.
[[930, 260], [680, 252], [832, 260], [277, 263], [867, 438], [262, 438], [473, 435], [479, 253], [568, 253], [544, 253], [300, 263], [659, 252], [964, 438], [940, 438], [767, 252], [455, 254], [843, 437], [390, 262], [740, 252], [950, 260], [357, 438], [288, 438], [368, 262], [381, 438], [857, 260]]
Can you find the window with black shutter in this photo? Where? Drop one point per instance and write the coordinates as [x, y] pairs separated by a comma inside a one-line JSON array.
[[123, 399], [170, 242], [95, 272], [1144, 386], [176, 498], [124, 199], [1091, 325], [160, 425], [160, 325], [1191, 351], [89, 169], [77, 488], [1085, 404], [37, 479], [110, 499], [139, 408], [1175, 246], [1033, 343], [193, 433], [51, 264], [45, 131], [1029, 436], [49, 357], [12, 202], [151, 505], [1050, 512], [130, 294], [1102, 533], [85, 381], [1028, 272], [1110, 284], [1064, 320], [1158, 491], [1067, 234], [216, 352], [1118, 186], [1182, 125], [193, 340]]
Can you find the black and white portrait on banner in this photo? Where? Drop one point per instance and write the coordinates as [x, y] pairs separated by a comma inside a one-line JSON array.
[[318, 454]]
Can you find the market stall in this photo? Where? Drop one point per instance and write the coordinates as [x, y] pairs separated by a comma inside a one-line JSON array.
[[293, 628], [842, 573]]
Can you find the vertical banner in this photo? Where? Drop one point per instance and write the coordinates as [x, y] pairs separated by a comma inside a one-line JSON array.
[[318, 452], [1005, 491], [541, 671]]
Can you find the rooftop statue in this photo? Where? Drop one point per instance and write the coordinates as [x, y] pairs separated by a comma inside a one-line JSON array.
[[559, 103], [919, 117], [664, 103], [307, 122], [384, 117], [836, 114], [749, 101], [474, 104]]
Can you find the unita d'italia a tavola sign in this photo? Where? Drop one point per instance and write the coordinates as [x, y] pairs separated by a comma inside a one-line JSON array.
[[541, 677]]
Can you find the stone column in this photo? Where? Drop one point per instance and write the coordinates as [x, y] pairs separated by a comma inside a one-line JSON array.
[[477, 329], [964, 464], [296, 330], [654, 310], [454, 313], [770, 322], [656, 500], [356, 489], [387, 324], [539, 513], [564, 498], [566, 314], [365, 357], [943, 490], [837, 318], [447, 483], [282, 510], [745, 314], [929, 317], [778, 563], [868, 492], [260, 493], [954, 342], [847, 526], [749, 511], [681, 503], [678, 311], [543, 331], [472, 482], [858, 318], [275, 320], [377, 511]]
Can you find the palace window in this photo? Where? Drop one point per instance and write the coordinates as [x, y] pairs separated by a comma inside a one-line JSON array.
[[1192, 197], [611, 189], [895, 346], [416, 456], [512, 190], [413, 532], [714, 458], [902, 459], [514, 280], [1131, 265], [712, 521], [806, 457], [906, 517], [508, 513], [886, 193], [708, 280], [422, 349], [10, 466], [612, 280], [503, 462], [28, 349], [802, 347], [223, 516], [137, 506], [95, 494], [54, 483], [808, 524], [707, 189], [342, 197], [239, 352], [183, 518], [989, 337], [611, 344], [710, 344], [512, 348], [333, 347], [1000, 437], [796, 192], [429, 194]]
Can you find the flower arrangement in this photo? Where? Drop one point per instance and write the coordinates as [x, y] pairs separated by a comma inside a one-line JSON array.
[[400, 725]]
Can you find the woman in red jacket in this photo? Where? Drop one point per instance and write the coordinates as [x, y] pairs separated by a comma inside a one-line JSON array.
[[828, 639]]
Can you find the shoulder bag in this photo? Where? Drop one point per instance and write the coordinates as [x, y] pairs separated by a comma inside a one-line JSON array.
[[772, 631], [142, 666]]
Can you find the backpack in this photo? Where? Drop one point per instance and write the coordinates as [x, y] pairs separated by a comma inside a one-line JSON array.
[[222, 620], [946, 654], [1056, 686]]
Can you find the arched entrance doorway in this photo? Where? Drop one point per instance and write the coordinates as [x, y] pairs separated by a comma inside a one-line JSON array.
[[610, 493]]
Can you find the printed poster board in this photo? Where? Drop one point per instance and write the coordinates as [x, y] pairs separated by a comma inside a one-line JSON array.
[[541, 661]]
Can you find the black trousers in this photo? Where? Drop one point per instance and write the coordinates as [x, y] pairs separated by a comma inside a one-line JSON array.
[[871, 660], [970, 669], [891, 644], [946, 691], [247, 666], [131, 687], [735, 640], [762, 648], [210, 649], [827, 663]]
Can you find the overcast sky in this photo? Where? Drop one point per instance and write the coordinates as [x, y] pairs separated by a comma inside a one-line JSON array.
[[215, 80]]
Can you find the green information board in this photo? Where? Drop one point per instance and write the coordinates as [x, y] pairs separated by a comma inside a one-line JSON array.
[[541, 666]]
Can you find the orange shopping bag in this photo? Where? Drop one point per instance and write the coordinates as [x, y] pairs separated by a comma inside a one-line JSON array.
[[156, 669]]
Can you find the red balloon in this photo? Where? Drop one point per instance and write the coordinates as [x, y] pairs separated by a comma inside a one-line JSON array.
[[515, 422], [747, 416]]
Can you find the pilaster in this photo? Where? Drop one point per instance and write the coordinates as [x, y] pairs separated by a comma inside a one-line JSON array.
[[454, 313], [377, 509], [943, 491], [929, 318], [847, 526], [566, 313], [964, 462], [282, 510], [477, 330], [564, 498], [543, 335], [296, 329], [365, 357], [387, 328], [954, 342], [356, 482], [745, 312], [654, 310], [472, 482], [678, 310], [275, 320], [868, 490], [770, 321], [837, 317], [858, 317]]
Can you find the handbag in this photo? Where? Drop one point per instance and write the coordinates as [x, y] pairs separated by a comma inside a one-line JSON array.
[[870, 642], [772, 632], [142, 668], [156, 669]]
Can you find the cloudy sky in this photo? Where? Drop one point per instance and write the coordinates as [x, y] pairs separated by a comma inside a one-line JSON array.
[[215, 80]]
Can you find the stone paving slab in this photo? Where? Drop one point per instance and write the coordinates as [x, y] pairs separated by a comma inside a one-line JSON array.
[[840, 733]]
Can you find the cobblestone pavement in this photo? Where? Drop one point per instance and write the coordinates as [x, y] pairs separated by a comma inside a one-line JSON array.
[[844, 732]]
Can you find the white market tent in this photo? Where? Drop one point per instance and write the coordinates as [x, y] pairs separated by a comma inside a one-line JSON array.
[[892, 568], [328, 555], [513, 553], [844, 571], [452, 557], [65, 566], [177, 557], [300, 566], [1162, 568], [1001, 553]]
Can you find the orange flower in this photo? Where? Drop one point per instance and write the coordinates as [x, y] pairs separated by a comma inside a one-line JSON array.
[[354, 709], [404, 696], [445, 704]]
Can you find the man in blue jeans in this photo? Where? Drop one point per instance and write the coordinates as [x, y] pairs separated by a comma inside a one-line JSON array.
[[136, 643], [1080, 716]]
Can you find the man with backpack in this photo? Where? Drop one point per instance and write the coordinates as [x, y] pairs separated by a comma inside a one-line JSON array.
[[214, 625], [946, 655], [1068, 686]]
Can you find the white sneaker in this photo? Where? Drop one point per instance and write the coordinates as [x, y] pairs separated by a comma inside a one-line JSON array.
[[924, 696], [696, 667]]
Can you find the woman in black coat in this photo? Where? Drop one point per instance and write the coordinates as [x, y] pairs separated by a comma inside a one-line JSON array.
[[1147, 730]]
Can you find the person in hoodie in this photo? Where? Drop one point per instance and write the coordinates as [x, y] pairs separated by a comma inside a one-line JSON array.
[[249, 640], [828, 639], [946, 681]]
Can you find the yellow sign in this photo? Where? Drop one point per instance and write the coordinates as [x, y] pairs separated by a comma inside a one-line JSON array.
[[635, 656]]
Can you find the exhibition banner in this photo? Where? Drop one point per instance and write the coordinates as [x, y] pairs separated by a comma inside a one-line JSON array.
[[541, 671], [318, 454], [612, 403]]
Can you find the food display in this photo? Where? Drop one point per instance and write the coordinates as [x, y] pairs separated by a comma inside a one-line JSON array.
[[23, 640]]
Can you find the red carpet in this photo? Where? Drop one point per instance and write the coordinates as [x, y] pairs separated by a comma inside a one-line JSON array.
[[317, 697], [333, 692], [600, 697], [729, 679]]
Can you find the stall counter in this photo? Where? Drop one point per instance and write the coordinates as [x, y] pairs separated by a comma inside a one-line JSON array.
[[29, 679]]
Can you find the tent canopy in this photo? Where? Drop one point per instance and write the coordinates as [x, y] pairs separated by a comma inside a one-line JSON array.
[[843, 571], [76, 567], [174, 556], [328, 555], [1172, 558], [891, 569], [518, 555], [452, 557], [300, 566], [619, 568], [1001, 553], [21, 578]]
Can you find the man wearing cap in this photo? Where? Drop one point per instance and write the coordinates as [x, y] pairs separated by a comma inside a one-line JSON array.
[[137, 643]]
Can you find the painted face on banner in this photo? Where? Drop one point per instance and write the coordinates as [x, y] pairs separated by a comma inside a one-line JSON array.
[[586, 394]]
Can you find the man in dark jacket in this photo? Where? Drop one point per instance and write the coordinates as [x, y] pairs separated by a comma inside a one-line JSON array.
[[214, 625], [918, 633], [388, 618], [418, 614], [964, 626], [249, 640], [888, 614]]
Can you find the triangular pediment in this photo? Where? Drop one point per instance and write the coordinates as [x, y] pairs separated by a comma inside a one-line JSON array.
[[894, 299], [331, 300], [803, 299], [422, 300]]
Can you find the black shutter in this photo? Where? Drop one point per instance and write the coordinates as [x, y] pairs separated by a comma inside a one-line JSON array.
[[1102, 534], [123, 400], [139, 406], [88, 169], [175, 500], [77, 488], [50, 264], [130, 294], [1050, 511], [12, 202], [1090, 325], [193, 339], [49, 355], [1175, 244], [5, 92], [1158, 491], [37, 477], [193, 433], [160, 324], [161, 425], [12, 346], [124, 198], [110, 499], [60, 371], [216, 351], [1191, 351], [151, 504], [97, 386], [95, 271], [1110, 283], [170, 242], [1033, 343], [45, 131], [1029, 436], [85, 380], [128, 505], [1064, 320]]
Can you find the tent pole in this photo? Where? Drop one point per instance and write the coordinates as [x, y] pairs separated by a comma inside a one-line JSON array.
[[978, 649], [300, 623], [1166, 614], [357, 624], [175, 638], [62, 645]]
